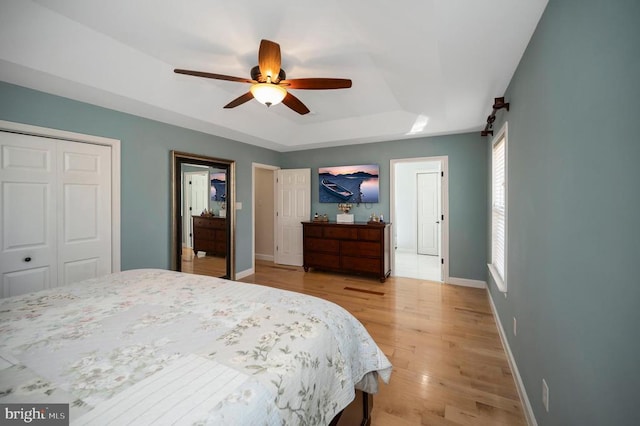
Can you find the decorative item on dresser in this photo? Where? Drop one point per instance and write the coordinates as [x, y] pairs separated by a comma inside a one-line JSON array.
[[210, 235], [355, 248]]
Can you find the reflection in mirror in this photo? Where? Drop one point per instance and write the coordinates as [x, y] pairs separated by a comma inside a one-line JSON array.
[[218, 179], [202, 231]]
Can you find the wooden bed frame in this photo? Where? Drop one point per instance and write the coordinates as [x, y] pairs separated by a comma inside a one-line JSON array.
[[356, 413]]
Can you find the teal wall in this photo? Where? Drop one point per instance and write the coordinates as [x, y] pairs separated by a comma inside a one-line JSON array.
[[145, 174], [574, 213], [467, 159], [146, 146]]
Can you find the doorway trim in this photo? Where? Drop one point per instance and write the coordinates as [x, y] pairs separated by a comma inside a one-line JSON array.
[[444, 194], [114, 144]]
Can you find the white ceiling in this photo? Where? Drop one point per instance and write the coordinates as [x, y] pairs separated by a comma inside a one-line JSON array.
[[419, 67]]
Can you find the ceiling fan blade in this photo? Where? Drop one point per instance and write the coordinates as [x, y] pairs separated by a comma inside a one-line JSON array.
[[240, 100], [214, 76], [295, 104], [317, 83], [269, 60]]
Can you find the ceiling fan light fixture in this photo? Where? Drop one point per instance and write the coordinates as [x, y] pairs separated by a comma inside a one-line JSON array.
[[269, 81], [268, 93]]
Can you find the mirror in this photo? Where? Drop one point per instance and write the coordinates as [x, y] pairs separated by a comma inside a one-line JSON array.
[[202, 227]]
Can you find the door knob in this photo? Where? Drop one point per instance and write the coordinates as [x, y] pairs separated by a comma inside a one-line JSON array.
[[437, 221], [27, 259]]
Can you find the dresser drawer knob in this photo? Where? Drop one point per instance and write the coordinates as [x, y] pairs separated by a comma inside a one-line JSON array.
[[27, 259]]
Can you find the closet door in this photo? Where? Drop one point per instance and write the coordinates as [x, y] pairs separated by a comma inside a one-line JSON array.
[[83, 211], [28, 217], [55, 212]]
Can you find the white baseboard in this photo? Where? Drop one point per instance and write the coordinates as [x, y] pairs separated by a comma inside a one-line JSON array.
[[267, 257], [242, 274], [466, 282], [522, 392]]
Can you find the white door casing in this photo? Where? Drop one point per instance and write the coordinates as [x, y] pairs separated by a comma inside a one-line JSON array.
[[293, 207], [56, 212], [428, 202], [444, 206]]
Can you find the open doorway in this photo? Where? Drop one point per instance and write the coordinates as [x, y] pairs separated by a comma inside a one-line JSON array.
[[281, 201], [263, 212], [419, 213]]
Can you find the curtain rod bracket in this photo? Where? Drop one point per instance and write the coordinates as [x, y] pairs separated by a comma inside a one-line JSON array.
[[498, 103]]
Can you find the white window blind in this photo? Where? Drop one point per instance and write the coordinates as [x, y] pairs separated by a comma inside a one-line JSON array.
[[499, 210]]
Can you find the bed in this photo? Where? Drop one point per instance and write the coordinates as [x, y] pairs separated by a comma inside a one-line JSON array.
[[161, 347]]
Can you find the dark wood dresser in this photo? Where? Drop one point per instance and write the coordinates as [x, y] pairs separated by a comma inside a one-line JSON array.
[[341, 247], [210, 235]]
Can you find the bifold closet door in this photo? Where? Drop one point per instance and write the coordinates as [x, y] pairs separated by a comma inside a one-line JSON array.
[[83, 211], [55, 212], [29, 231]]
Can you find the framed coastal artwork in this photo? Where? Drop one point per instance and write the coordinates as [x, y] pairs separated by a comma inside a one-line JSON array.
[[349, 184], [218, 185]]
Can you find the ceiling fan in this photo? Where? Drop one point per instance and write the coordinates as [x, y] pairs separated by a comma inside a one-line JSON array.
[[269, 81]]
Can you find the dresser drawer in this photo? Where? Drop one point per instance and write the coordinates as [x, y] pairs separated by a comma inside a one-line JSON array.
[[312, 231], [322, 245], [374, 234], [204, 233], [209, 222], [361, 264], [341, 233], [360, 248], [322, 260], [200, 222], [218, 223]]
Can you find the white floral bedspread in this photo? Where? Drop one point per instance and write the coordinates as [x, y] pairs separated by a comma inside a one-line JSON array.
[[160, 347]]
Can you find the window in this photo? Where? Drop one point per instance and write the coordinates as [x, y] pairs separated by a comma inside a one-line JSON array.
[[499, 209]]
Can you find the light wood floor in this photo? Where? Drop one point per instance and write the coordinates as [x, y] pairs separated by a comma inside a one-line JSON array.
[[213, 266], [449, 367]]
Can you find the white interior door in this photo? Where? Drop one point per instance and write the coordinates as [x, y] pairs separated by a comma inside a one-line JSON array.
[[28, 179], [200, 188], [196, 192], [428, 213], [293, 207], [83, 211], [56, 212]]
